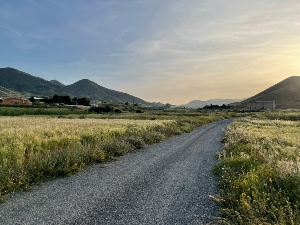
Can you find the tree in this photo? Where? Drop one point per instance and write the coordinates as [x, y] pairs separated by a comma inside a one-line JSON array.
[[66, 99], [48, 100], [31, 99], [117, 111], [83, 101], [57, 98], [101, 109]]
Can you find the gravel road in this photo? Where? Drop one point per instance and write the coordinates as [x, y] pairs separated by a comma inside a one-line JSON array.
[[166, 183]]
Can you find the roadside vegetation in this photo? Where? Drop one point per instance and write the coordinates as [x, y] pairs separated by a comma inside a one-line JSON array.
[[25, 110], [259, 170], [34, 148]]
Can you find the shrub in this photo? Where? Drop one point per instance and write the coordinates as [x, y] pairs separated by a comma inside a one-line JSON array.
[[136, 141], [117, 111], [117, 148], [153, 137]]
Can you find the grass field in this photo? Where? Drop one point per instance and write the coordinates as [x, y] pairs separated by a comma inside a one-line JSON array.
[[259, 170], [37, 148], [21, 110]]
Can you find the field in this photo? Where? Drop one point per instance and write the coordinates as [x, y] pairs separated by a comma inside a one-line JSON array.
[[12, 110], [259, 170], [36, 148]]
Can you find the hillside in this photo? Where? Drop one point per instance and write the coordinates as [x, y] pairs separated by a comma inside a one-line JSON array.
[[4, 92], [200, 103], [57, 83], [25, 83], [286, 93], [15, 82], [87, 88]]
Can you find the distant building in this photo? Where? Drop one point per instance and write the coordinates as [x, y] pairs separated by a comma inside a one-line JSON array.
[[268, 105], [19, 101]]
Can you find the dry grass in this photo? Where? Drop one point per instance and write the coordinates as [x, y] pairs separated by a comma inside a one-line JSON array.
[[258, 172], [36, 148]]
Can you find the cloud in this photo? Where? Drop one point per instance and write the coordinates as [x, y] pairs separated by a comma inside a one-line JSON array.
[[170, 51], [239, 47]]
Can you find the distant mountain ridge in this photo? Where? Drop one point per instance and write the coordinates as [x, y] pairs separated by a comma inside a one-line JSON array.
[[285, 93], [26, 84], [200, 103]]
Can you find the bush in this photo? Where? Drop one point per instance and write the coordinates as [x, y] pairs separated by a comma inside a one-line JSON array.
[[153, 137], [136, 141], [101, 109], [117, 148], [117, 111]]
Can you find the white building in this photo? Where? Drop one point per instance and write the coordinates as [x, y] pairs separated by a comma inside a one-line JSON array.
[[270, 105]]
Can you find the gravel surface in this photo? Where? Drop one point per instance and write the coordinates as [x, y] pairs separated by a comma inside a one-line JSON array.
[[166, 183]]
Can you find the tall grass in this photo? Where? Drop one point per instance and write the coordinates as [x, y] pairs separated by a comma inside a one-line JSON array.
[[289, 114], [258, 172], [186, 121], [36, 148], [20, 111]]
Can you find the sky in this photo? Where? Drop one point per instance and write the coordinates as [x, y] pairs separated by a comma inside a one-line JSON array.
[[164, 51]]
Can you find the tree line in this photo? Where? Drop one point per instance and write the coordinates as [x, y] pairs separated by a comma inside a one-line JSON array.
[[65, 99], [211, 106]]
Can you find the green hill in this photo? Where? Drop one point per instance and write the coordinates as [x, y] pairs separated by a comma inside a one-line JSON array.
[[286, 93], [57, 83], [87, 88], [26, 84], [4, 92]]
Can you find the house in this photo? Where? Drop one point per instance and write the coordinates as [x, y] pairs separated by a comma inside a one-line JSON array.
[[269, 105], [19, 101]]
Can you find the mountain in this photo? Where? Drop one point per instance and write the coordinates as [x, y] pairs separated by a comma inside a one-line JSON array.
[[4, 92], [285, 93], [57, 83], [200, 104], [25, 83], [87, 88], [22, 83]]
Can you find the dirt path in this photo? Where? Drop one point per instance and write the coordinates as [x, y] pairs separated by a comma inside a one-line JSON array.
[[166, 183]]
